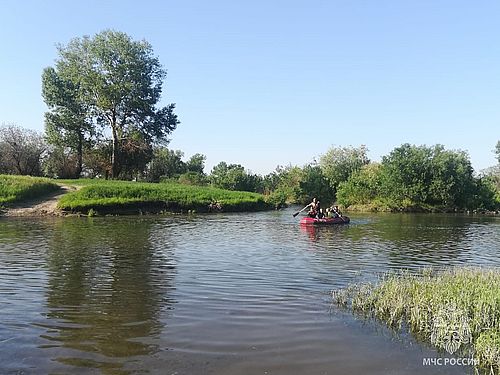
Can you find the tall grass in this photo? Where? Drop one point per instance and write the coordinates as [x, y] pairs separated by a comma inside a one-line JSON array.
[[17, 188], [113, 196], [455, 310]]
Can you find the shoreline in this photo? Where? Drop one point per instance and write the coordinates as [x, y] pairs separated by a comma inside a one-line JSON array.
[[415, 210]]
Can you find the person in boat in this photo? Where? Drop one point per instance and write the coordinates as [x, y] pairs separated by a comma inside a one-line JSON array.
[[313, 208], [319, 211], [336, 212], [329, 213]]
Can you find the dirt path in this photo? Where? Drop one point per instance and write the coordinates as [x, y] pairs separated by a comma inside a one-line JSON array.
[[43, 206]]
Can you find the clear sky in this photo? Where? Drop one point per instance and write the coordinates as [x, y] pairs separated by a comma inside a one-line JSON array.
[[267, 83]]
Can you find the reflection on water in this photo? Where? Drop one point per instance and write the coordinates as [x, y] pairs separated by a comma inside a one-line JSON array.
[[106, 288], [214, 294]]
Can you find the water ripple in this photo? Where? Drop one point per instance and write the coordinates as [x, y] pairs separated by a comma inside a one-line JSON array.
[[224, 293]]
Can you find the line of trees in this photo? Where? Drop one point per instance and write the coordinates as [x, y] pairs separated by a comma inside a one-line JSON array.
[[420, 177], [103, 120], [408, 178]]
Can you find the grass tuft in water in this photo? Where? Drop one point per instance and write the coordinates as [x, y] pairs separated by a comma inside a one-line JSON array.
[[456, 310]]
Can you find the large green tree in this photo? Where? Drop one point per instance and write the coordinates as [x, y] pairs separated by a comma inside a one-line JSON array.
[[407, 174], [416, 175], [118, 82]]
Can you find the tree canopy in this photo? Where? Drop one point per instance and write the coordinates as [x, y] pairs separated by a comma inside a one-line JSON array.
[[112, 85]]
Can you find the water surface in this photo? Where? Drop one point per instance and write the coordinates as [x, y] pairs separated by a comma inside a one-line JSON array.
[[215, 294]]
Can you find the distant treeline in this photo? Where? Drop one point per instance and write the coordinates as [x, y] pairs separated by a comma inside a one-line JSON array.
[[409, 178]]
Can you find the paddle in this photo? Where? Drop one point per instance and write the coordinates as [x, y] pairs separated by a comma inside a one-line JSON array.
[[338, 214], [298, 212]]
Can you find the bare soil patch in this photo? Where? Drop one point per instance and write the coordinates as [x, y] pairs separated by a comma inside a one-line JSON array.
[[40, 206]]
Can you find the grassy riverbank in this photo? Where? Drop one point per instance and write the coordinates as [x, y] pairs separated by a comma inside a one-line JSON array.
[[17, 188], [456, 310], [118, 197]]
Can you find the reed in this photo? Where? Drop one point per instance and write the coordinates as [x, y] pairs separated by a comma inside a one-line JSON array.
[[457, 310]]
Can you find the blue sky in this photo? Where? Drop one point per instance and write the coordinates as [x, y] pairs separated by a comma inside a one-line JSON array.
[[267, 83]]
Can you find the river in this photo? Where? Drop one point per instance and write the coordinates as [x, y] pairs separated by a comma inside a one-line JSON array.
[[216, 294]]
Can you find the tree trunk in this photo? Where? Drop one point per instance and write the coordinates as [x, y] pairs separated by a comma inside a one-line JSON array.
[[115, 156], [79, 150]]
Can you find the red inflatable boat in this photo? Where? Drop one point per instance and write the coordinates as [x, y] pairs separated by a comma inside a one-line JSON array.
[[330, 221]]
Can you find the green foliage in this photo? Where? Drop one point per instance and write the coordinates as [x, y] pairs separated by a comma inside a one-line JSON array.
[[135, 154], [113, 82], [458, 309], [165, 164], [290, 185], [108, 196], [406, 174], [234, 177], [419, 177], [315, 184], [98, 160], [66, 124], [486, 194], [17, 188], [61, 163], [196, 163], [362, 187], [283, 185], [338, 163], [278, 198], [492, 178], [452, 178], [415, 176], [193, 178]]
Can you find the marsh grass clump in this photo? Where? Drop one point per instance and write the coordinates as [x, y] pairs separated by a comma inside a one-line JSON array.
[[457, 310], [17, 188], [488, 348]]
